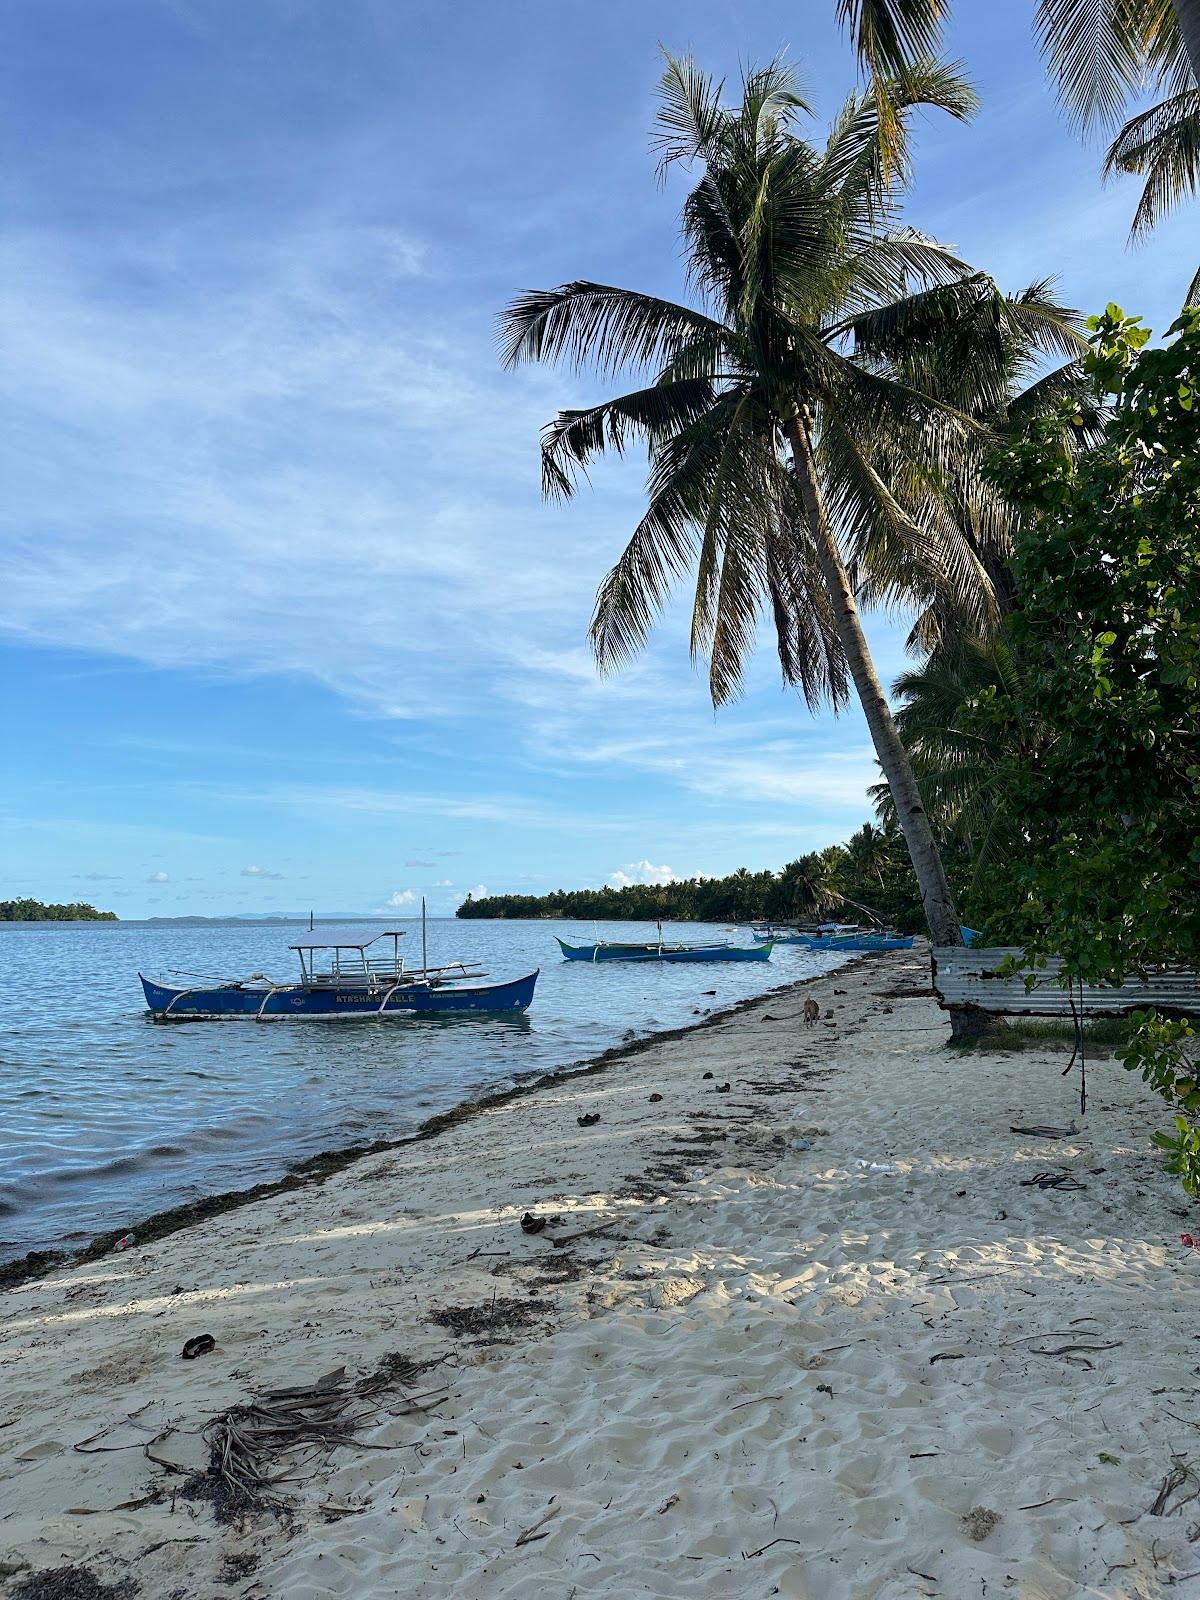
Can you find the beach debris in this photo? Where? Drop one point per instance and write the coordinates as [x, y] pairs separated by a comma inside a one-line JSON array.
[[722, 1088], [532, 1224], [878, 1166], [531, 1535], [749, 1555], [704, 1075], [812, 1012], [1039, 1131], [589, 1119], [1057, 1179], [1188, 1240], [980, 1522], [1179, 1488], [70, 1583], [500, 1314], [199, 1345], [655, 1098], [258, 1446], [671, 1500], [1083, 1344], [948, 1355], [583, 1233], [125, 1242]]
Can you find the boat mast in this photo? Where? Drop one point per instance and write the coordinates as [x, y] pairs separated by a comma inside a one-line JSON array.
[[424, 939]]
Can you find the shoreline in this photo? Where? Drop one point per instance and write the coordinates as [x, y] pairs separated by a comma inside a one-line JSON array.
[[316, 1169], [803, 1316]]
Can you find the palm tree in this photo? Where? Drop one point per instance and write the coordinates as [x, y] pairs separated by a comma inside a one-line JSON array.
[[869, 851], [1100, 52], [763, 429], [987, 358], [961, 770]]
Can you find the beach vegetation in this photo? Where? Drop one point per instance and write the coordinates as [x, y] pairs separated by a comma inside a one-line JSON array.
[[38, 911], [1094, 744]]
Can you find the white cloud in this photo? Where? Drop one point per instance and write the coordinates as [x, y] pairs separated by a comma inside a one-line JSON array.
[[260, 872], [443, 883], [402, 897], [639, 872], [157, 877], [479, 892], [418, 863]]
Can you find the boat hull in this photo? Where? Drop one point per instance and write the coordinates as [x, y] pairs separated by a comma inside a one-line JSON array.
[[332, 1003], [862, 942], [687, 953]]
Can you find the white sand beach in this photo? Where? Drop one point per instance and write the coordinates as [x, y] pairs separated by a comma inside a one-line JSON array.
[[833, 1343]]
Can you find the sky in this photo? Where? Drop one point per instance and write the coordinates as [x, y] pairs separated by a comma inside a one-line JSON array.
[[283, 620]]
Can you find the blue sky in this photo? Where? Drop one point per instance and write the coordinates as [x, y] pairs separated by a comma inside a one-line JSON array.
[[283, 622]]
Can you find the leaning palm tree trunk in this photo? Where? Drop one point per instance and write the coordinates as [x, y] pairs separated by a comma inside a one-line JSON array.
[[914, 822]]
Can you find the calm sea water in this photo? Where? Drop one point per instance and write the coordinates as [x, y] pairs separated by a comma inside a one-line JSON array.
[[105, 1116]]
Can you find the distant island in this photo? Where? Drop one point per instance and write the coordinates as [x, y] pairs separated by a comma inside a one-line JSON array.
[[37, 911], [869, 873]]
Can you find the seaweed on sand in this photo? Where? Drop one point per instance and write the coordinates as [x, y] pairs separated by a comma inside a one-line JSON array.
[[70, 1583], [258, 1447]]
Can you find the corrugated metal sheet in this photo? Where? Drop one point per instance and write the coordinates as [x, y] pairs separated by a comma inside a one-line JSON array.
[[968, 977]]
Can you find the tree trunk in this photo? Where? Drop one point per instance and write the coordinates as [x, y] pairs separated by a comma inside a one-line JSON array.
[[1188, 14], [940, 912]]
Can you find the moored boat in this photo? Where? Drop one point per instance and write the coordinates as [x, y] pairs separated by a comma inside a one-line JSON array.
[[342, 981], [604, 950], [801, 933], [862, 941]]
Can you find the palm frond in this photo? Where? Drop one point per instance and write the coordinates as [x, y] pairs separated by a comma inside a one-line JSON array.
[[595, 324], [690, 118], [664, 544], [1096, 52], [889, 36], [893, 264], [1163, 145], [652, 415]]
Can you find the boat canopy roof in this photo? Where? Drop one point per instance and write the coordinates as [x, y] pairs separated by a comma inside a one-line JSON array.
[[350, 944]]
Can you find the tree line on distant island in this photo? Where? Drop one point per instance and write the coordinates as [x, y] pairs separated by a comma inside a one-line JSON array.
[[38, 911], [868, 877]]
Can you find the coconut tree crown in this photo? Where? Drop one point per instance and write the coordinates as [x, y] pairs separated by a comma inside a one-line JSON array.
[[813, 301]]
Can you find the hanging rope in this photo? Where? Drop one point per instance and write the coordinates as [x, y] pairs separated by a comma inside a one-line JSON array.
[[1078, 1053]]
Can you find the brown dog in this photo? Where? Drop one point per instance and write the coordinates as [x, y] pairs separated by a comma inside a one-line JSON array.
[[812, 1012]]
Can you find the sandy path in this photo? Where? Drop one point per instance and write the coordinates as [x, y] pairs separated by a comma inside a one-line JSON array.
[[780, 1372]]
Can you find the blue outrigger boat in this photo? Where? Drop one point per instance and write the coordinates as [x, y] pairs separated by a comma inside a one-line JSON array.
[[837, 936], [350, 983], [604, 950]]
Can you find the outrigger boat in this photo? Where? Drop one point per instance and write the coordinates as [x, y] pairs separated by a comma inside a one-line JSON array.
[[343, 980], [839, 936], [604, 950], [802, 933]]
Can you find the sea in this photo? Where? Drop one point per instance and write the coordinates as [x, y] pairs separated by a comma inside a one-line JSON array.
[[107, 1117]]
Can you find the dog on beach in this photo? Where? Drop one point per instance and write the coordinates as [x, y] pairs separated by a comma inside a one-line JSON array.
[[812, 1012]]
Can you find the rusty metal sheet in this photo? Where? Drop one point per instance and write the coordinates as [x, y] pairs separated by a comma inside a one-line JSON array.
[[968, 977]]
